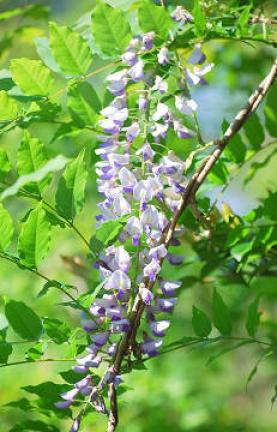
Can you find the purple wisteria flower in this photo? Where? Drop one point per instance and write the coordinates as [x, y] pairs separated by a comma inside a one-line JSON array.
[[181, 15], [163, 56]]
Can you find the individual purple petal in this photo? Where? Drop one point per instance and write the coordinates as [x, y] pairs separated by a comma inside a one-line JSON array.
[[181, 15], [168, 288], [151, 270], [160, 85], [132, 131], [166, 305], [158, 328], [122, 326], [127, 179], [118, 281], [118, 82], [70, 395], [76, 425], [122, 259], [143, 102], [150, 347], [129, 57], [145, 294], [147, 41], [184, 105], [63, 404], [175, 259], [181, 131], [163, 56], [101, 338], [158, 252], [136, 72], [83, 382], [121, 205], [197, 56], [146, 152], [162, 112]]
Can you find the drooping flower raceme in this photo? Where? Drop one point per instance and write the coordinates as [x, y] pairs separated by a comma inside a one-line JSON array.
[[141, 183]]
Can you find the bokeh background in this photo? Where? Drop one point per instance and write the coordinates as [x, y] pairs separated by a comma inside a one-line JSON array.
[[177, 392]]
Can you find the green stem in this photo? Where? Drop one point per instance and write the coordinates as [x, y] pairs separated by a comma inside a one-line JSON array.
[[36, 361]]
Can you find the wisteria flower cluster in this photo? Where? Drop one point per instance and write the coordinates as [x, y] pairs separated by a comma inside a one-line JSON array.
[[141, 183]]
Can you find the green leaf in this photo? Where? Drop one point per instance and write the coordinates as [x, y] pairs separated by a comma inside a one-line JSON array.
[[83, 104], [221, 314], [48, 393], [254, 131], [33, 425], [8, 107], [200, 322], [6, 229], [5, 351], [52, 165], [23, 404], [244, 17], [34, 238], [235, 150], [105, 235], [57, 330], [36, 352], [274, 397], [44, 51], [154, 18], [31, 156], [32, 77], [199, 18], [70, 50], [5, 165], [110, 29], [23, 320], [219, 174], [70, 195], [270, 112], [214, 357], [253, 317]]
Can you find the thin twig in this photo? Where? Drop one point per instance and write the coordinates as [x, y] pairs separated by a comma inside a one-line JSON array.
[[113, 414], [48, 360]]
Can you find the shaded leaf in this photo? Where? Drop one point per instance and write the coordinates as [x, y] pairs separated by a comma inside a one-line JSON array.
[[253, 317], [83, 104], [270, 112], [5, 165], [44, 51], [199, 18], [52, 165], [23, 320], [57, 330], [200, 322], [5, 351], [70, 193], [254, 131], [212, 358], [221, 314]]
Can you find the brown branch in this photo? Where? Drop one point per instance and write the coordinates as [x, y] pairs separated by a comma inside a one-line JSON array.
[[263, 20], [113, 415], [128, 340]]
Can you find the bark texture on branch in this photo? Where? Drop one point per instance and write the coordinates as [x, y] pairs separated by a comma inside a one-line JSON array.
[[128, 340]]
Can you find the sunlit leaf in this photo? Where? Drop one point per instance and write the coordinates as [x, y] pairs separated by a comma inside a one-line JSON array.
[[70, 50], [83, 104], [154, 18], [110, 29], [34, 238], [8, 107], [32, 77]]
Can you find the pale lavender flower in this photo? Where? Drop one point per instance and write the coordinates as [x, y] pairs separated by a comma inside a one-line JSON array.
[[158, 328], [150, 217], [132, 131], [121, 206], [129, 57], [166, 305], [159, 130], [184, 105], [122, 259], [109, 126], [181, 131], [101, 338], [160, 85], [163, 56], [70, 394], [63, 404], [197, 56], [121, 326], [158, 252], [143, 102], [118, 281], [169, 288], [76, 425], [150, 347], [146, 152], [134, 228], [162, 112], [127, 179], [181, 15], [145, 294], [151, 270], [118, 82], [136, 72], [147, 41]]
